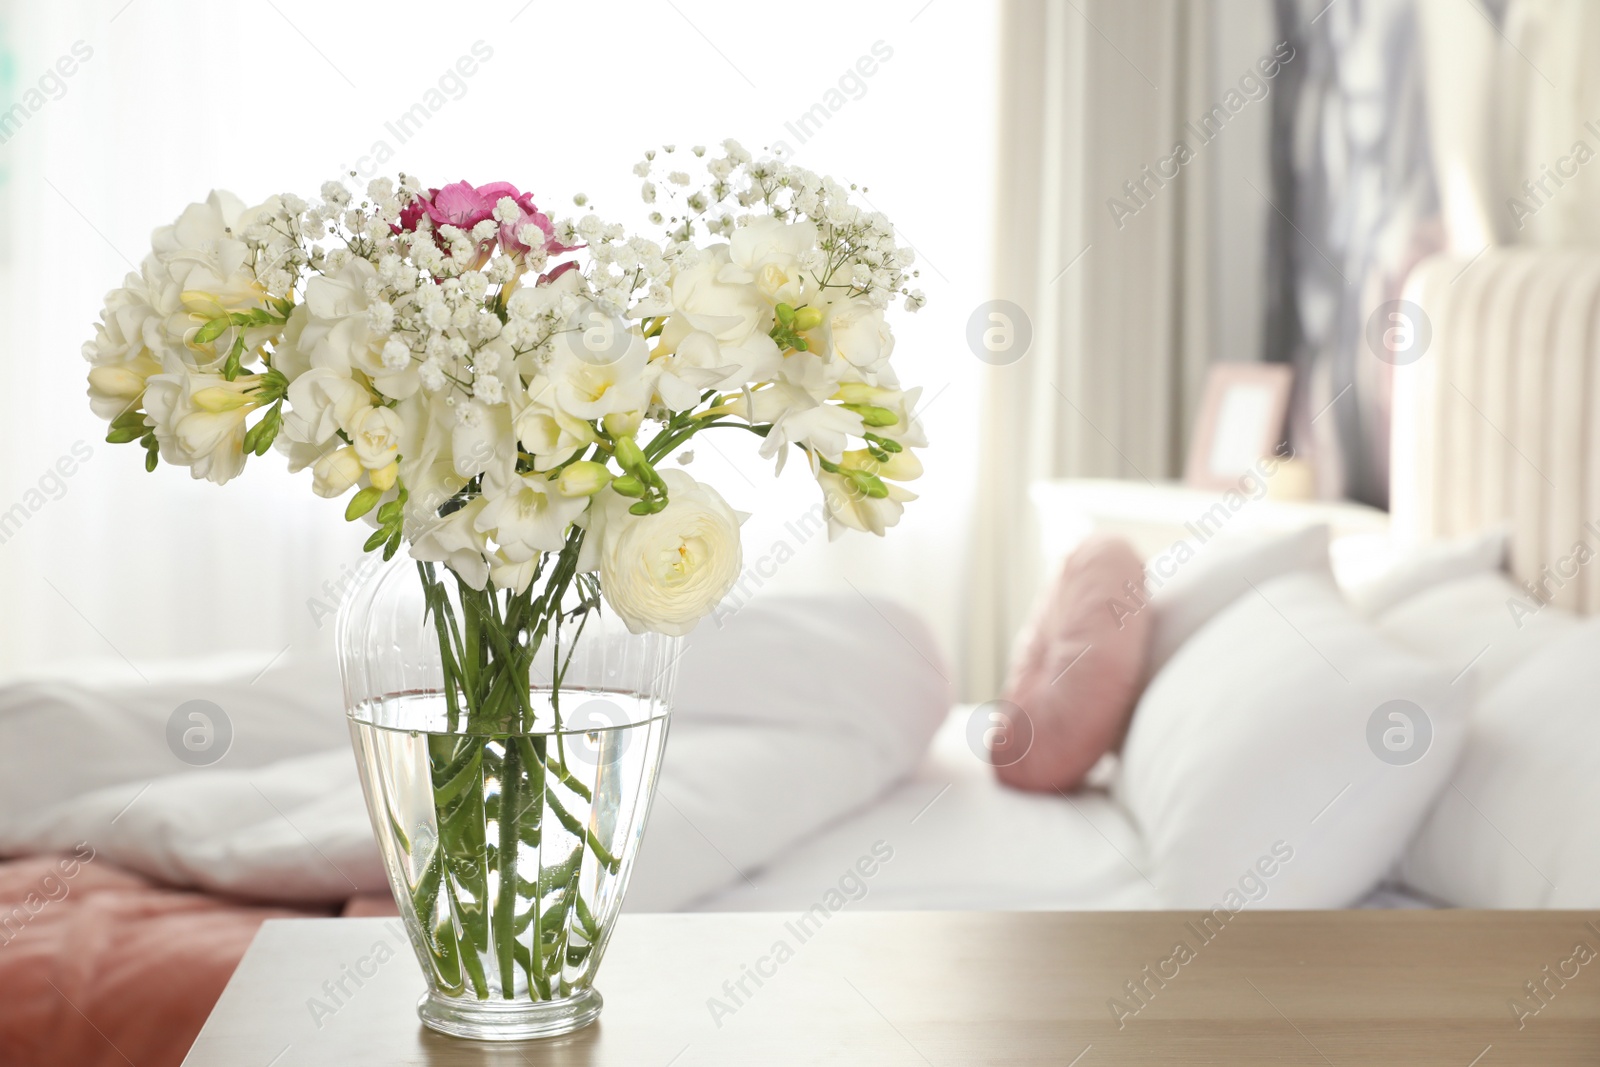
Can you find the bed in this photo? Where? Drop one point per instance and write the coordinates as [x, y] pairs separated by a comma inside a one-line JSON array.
[[781, 778]]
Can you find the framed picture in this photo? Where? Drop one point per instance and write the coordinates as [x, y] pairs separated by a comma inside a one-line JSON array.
[[1241, 420]]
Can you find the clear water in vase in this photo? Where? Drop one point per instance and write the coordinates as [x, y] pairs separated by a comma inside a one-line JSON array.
[[510, 853]]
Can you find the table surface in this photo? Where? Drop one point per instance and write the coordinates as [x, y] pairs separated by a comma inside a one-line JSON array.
[[937, 989]]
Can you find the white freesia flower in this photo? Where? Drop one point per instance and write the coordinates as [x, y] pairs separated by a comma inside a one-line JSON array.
[[733, 311], [858, 333], [125, 350], [849, 508], [907, 428], [482, 441], [598, 367], [201, 268], [289, 357], [204, 252], [662, 573], [549, 434], [769, 250], [376, 436], [528, 515], [338, 333], [321, 403], [336, 473], [427, 462], [206, 438], [514, 577], [798, 418], [696, 365], [456, 542]]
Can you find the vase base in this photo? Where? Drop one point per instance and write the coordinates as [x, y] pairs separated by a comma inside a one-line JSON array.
[[503, 1020]]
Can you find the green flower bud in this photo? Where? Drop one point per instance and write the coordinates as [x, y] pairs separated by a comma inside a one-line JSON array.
[[630, 456], [628, 485], [807, 318], [622, 423], [362, 503], [874, 416], [583, 478]]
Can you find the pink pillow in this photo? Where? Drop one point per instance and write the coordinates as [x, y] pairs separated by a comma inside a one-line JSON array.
[[1077, 678]]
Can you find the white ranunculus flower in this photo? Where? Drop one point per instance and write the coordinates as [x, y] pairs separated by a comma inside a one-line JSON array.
[[335, 473], [663, 573], [321, 403], [455, 542], [858, 333], [768, 250], [209, 442], [376, 436], [527, 515], [338, 334]]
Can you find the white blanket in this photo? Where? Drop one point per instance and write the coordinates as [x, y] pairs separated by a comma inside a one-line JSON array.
[[793, 714]]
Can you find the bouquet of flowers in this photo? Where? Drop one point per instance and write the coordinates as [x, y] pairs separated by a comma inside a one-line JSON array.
[[500, 391], [511, 396]]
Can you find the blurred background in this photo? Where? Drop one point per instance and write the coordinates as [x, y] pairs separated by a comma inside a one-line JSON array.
[[176, 98], [1126, 193]]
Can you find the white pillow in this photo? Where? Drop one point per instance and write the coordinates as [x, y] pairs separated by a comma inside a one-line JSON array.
[[1249, 768], [1220, 573], [1519, 825], [1427, 565], [1483, 621]]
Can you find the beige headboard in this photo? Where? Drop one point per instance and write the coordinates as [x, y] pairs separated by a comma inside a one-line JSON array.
[[1499, 419]]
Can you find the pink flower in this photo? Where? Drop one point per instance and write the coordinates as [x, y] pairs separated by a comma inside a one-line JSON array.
[[464, 205]]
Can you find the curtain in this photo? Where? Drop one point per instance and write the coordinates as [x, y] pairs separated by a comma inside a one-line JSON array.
[[1105, 252]]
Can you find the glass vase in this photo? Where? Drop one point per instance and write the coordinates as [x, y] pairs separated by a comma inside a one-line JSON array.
[[508, 748]]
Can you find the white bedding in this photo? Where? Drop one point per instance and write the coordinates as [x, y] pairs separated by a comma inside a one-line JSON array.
[[799, 772], [959, 839]]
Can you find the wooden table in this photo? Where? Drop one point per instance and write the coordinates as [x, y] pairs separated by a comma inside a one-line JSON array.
[[936, 989]]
